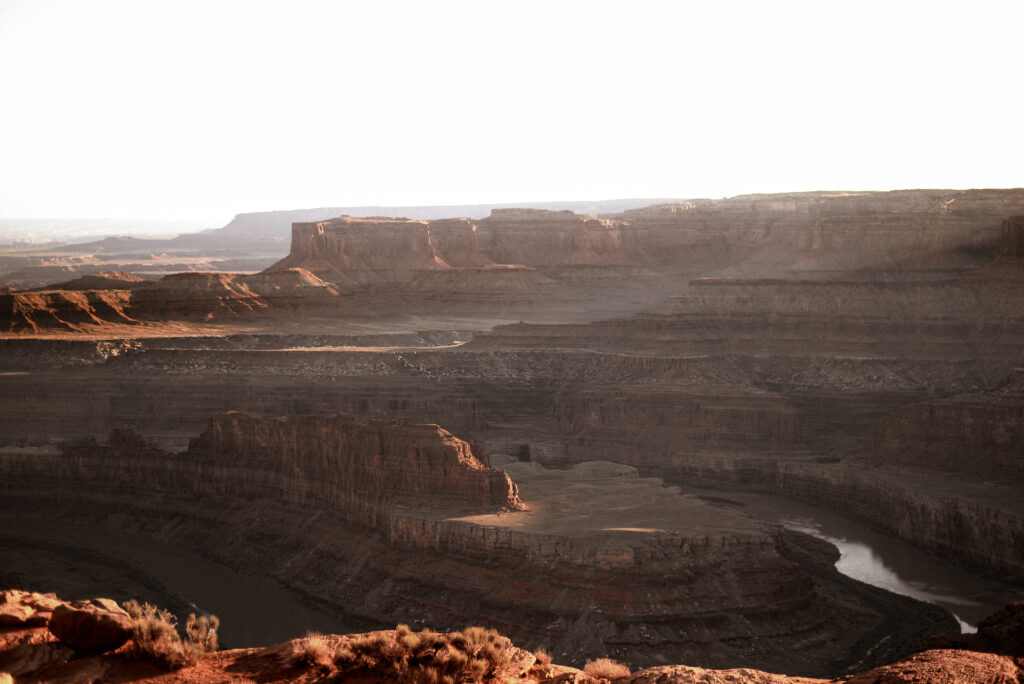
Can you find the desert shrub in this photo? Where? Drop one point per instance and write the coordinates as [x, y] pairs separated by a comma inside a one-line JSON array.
[[426, 657], [155, 634], [605, 668], [543, 657], [313, 651]]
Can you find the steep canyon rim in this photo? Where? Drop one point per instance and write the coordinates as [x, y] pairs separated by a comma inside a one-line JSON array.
[[859, 351]]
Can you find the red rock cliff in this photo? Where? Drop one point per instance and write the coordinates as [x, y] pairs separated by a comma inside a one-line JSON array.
[[341, 458]]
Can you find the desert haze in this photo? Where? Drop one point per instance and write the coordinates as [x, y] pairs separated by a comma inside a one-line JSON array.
[[642, 440]]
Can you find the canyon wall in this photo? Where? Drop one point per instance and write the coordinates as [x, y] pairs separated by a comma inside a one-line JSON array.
[[981, 526], [560, 266], [978, 434], [332, 460], [359, 516], [1012, 246]]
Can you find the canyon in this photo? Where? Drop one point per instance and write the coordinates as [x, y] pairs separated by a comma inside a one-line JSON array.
[[529, 389]]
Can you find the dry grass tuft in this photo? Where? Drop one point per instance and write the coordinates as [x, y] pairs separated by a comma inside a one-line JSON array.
[[155, 634], [313, 651], [606, 668], [543, 657], [423, 657]]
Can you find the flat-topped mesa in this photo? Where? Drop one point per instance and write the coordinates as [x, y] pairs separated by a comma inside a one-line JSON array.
[[539, 237], [345, 460], [455, 242], [374, 249], [900, 231]]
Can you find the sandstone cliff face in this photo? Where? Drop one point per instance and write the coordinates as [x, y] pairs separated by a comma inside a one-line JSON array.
[[979, 434], [809, 232], [982, 527], [542, 238], [333, 460], [950, 319], [565, 266], [351, 250], [647, 423], [456, 243], [359, 514]]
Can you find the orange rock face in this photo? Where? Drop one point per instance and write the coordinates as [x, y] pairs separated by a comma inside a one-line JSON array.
[[96, 625], [30, 652]]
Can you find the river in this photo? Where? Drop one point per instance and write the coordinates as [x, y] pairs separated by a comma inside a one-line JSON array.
[[880, 559]]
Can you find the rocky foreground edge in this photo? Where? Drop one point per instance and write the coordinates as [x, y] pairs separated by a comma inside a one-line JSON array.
[[45, 639]]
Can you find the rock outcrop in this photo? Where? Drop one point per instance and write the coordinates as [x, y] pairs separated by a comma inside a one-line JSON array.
[[137, 306], [96, 625], [104, 280], [351, 251], [547, 239], [31, 653], [415, 528], [26, 608], [938, 434], [852, 350], [64, 310], [338, 461]]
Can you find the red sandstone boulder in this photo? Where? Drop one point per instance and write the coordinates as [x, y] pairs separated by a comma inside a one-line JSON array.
[[96, 625], [26, 609]]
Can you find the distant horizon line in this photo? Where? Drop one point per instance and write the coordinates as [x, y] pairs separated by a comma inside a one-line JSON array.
[[196, 218]]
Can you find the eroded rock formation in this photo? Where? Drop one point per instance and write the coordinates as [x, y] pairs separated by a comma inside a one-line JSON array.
[[415, 527], [849, 349]]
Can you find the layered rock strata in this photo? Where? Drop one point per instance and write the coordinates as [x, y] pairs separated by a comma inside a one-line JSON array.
[[936, 435], [392, 516], [134, 306]]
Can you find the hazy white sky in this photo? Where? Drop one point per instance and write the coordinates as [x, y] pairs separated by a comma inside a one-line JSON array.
[[204, 109]]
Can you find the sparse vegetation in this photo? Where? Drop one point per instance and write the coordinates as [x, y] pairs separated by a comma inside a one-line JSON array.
[[155, 634], [542, 656], [314, 651], [423, 657], [606, 668]]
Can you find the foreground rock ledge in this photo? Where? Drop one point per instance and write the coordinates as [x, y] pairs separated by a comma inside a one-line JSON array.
[[29, 652]]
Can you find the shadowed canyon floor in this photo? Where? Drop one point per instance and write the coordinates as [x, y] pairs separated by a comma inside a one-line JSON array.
[[861, 352]]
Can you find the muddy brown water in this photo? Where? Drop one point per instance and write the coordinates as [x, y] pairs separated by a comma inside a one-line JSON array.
[[880, 559]]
